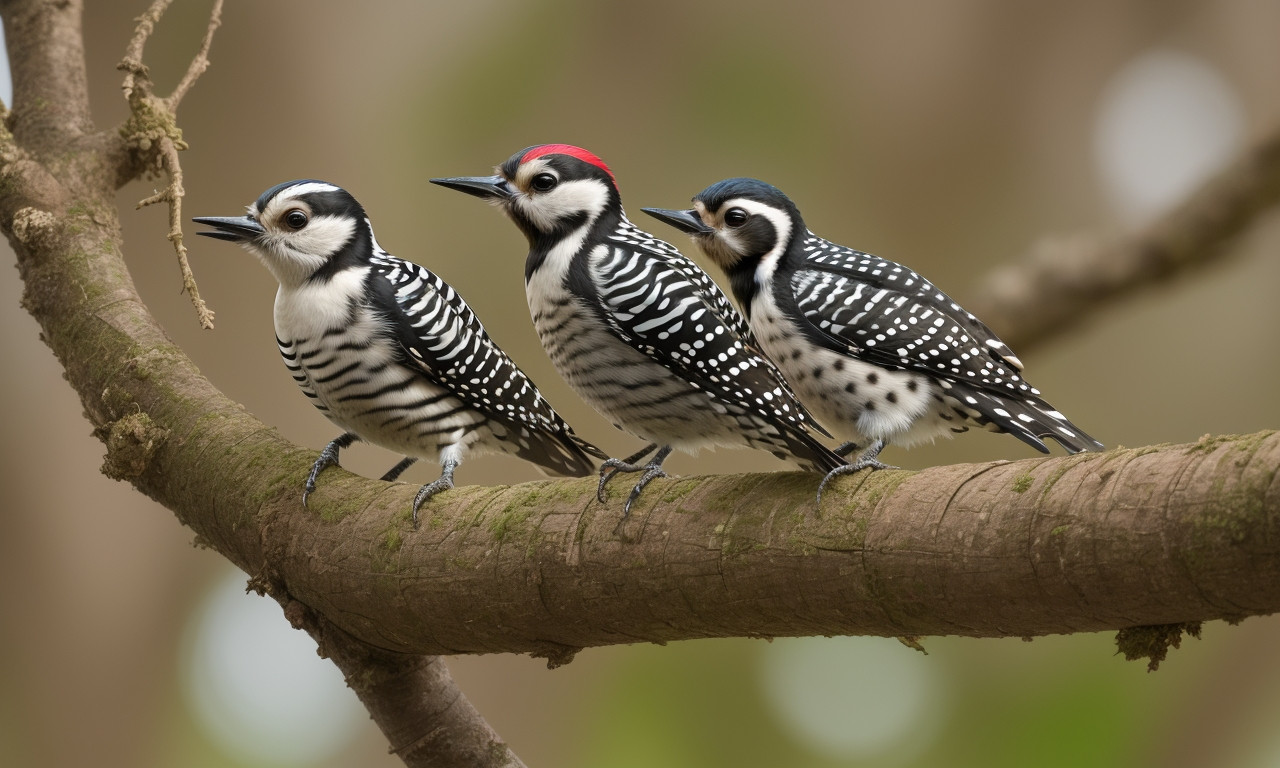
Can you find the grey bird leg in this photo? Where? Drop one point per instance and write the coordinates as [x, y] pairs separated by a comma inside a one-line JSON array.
[[442, 483], [867, 460], [399, 469], [614, 466], [651, 471], [847, 448], [328, 458]]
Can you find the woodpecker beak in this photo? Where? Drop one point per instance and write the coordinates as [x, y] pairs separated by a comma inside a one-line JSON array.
[[686, 221], [235, 229], [489, 187]]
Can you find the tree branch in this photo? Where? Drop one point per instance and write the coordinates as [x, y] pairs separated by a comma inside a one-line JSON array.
[[50, 86], [1066, 279], [413, 698]]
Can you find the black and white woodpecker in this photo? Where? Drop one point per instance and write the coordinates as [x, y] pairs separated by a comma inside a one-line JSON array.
[[388, 351], [876, 352], [638, 330]]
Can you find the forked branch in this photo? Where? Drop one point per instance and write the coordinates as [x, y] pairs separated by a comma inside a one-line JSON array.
[[152, 132]]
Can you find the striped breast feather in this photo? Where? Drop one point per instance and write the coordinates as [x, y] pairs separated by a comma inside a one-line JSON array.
[[443, 339], [666, 307]]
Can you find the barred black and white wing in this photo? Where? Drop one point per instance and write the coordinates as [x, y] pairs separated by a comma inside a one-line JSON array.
[[443, 339], [886, 314], [663, 305]]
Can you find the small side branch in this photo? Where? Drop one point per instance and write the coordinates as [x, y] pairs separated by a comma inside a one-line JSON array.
[[413, 699], [152, 135], [1066, 279], [201, 61]]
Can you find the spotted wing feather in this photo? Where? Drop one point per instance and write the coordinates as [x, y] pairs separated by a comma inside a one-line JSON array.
[[443, 339], [664, 305], [885, 313]]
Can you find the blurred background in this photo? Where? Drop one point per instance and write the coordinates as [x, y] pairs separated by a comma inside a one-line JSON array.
[[947, 135]]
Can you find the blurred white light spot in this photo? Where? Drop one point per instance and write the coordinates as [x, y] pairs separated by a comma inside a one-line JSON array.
[[256, 685], [6, 78], [854, 697], [1165, 122]]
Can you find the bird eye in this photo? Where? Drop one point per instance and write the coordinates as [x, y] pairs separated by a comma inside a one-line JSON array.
[[295, 219], [544, 182], [735, 217]]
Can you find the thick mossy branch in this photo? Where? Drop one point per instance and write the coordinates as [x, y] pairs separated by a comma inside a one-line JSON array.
[[1151, 536]]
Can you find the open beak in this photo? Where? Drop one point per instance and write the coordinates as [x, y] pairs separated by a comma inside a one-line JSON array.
[[235, 229], [686, 221], [488, 187]]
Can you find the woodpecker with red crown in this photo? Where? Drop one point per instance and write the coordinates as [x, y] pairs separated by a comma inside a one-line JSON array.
[[876, 351], [637, 329], [386, 349]]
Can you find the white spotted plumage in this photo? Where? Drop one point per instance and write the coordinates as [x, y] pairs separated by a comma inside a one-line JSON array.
[[875, 351]]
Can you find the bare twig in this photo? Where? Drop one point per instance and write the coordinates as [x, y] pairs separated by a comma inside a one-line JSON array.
[[136, 74], [153, 134], [201, 61], [172, 194], [1067, 279]]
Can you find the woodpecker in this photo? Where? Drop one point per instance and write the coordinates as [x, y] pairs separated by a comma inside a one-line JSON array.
[[637, 329], [873, 349], [385, 349]]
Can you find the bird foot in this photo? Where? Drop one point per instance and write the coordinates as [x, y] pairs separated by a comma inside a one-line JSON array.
[[612, 467], [328, 458], [442, 483], [867, 460]]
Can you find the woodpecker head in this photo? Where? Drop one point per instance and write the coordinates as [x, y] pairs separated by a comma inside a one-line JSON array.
[[548, 190], [739, 223], [301, 230]]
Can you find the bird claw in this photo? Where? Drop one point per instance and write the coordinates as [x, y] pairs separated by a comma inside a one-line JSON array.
[[426, 492], [651, 472], [614, 466], [327, 458], [868, 460], [609, 470], [442, 483]]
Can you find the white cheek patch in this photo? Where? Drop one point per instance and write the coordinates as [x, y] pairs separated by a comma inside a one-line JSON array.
[[294, 256], [781, 227], [545, 209], [323, 236]]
